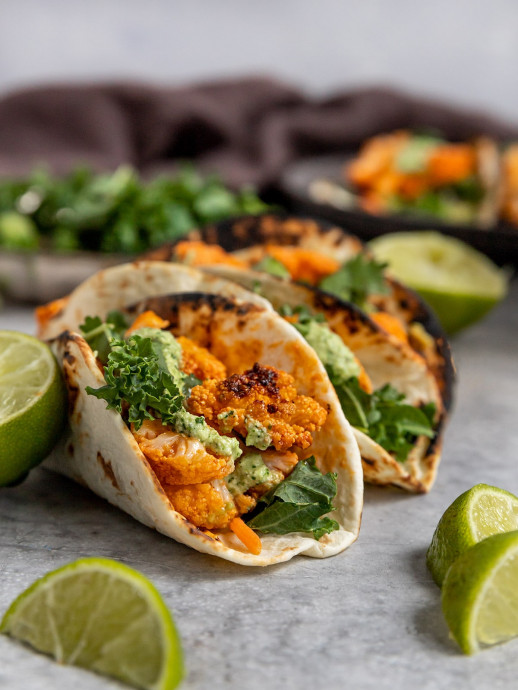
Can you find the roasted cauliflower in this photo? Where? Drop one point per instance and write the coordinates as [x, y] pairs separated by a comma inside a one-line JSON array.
[[205, 505], [176, 458], [262, 397], [199, 361]]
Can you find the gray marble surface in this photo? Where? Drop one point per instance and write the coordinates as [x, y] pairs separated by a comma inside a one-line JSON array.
[[368, 618]]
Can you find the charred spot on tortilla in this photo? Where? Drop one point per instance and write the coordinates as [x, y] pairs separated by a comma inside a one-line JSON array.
[[108, 470], [72, 390], [70, 358], [167, 306]]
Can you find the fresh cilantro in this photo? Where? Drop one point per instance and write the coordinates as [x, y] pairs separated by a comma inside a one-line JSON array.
[[298, 503], [115, 211], [274, 267], [384, 417], [356, 280], [304, 315], [99, 334], [137, 381]]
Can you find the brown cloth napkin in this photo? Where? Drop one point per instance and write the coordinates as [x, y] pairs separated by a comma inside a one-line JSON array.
[[247, 129]]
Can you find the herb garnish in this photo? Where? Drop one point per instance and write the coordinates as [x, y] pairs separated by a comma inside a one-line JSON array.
[[137, 377], [356, 280], [384, 417], [114, 212], [298, 503], [99, 334], [274, 267]]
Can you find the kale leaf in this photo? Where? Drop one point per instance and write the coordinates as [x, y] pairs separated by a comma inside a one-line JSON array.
[[137, 379], [298, 503], [384, 417], [356, 280]]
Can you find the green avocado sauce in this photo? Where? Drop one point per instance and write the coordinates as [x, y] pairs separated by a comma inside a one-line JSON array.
[[257, 434], [331, 350], [250, 472], [170, 352]]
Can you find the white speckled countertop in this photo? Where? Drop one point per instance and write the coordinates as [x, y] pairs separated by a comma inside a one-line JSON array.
[[369, 618]]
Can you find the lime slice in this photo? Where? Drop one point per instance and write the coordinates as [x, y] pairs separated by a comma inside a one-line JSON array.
[[460, 284], [32, 404], [103, 616], [479, 595], [476, 514]]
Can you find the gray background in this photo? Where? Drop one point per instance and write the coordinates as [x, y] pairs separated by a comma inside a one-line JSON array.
[[465, 51]]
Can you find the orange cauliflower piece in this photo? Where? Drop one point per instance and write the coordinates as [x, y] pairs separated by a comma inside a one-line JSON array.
[[205, 505], [197, 253], [178, 459], [263, 395], [199, 361], [303, 264]]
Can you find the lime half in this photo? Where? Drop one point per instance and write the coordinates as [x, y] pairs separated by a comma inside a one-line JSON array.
[[476, 514], [459, 283], [103, 616], [32, 404], [479, 595]]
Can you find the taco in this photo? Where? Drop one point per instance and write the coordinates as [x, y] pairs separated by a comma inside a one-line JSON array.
[[207, 418], [386, 390], [322, 255], [424, 175]]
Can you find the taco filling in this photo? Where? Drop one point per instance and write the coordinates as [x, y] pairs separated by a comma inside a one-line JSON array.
[[224, 448], [382, 414], [360, 279]]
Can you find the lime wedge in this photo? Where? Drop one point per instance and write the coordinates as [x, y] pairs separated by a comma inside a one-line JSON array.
[[476, 514], [459, 283], [103, 616], [32, 404], [479, 595]]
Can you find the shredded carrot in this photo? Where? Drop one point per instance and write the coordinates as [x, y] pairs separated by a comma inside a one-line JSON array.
[[147, 319], [391, 324], [246, 535], [46, 312], [197, 253]]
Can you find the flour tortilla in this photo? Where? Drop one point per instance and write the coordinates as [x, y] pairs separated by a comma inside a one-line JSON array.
[[385, 358], [118, 286], [100, 452]]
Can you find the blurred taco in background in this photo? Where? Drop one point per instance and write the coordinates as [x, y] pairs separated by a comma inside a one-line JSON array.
[[323, 256], [509, 187], [424, 174], [206, 417]]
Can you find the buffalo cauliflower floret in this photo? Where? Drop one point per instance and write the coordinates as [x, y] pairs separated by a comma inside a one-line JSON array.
[[196, 253], [263, 401], [178, 459], [199, 361], [205, 505]]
